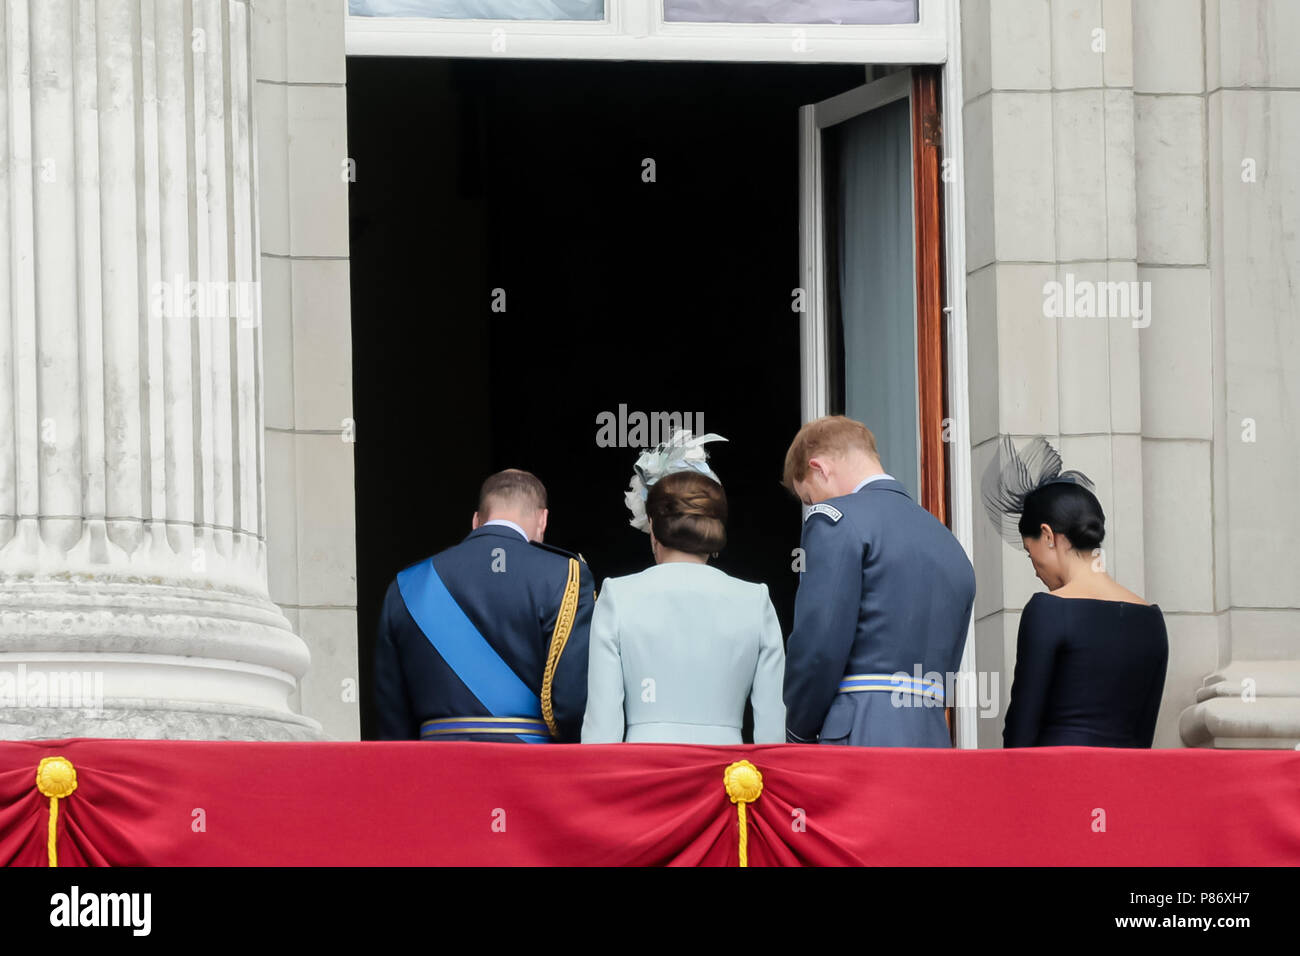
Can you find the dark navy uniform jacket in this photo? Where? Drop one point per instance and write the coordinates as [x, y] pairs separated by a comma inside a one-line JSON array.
[[885, 588], [514, 610]]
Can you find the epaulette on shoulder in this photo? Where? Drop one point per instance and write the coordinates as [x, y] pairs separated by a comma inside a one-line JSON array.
[[560, 551], [830, 511]]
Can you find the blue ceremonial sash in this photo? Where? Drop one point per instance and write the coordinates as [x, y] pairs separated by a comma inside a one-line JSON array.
[[469, 655]]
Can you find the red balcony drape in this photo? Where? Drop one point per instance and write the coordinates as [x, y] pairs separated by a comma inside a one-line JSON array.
[[218, 803]]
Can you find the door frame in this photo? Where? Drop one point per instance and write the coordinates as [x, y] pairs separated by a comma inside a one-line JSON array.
[[634, 30]]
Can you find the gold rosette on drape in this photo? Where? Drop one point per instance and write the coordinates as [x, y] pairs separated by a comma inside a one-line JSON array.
[[56, 778], [744, 785]]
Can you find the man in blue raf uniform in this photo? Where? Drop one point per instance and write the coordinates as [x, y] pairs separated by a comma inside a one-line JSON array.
[[487, 640], [883, 605]]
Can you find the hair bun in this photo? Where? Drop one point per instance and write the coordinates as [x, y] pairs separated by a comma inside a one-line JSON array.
[[688, 512], [1068, 508], [698, 504], [1088, 532]]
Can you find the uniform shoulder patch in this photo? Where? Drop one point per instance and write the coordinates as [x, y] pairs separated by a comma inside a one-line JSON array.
[[554, 550], [830, 511]]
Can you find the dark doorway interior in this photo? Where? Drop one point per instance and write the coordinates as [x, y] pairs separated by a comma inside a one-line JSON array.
[[526, 176]]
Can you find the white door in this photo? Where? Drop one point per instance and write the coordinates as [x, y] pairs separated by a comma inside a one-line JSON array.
[[858, 249]]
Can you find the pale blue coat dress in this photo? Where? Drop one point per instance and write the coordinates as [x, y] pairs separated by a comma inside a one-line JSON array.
[[675, 652]]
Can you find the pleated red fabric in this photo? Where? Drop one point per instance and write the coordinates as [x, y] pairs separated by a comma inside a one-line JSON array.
[[181, 803]]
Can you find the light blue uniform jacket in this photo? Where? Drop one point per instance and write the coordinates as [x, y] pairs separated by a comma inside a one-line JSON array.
[[675, 652]]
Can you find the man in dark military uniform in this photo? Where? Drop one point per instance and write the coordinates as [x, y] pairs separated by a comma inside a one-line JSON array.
[[487, 640], [884, 600]]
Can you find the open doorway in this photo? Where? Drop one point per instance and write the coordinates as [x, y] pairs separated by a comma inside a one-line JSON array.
[[519, 269]]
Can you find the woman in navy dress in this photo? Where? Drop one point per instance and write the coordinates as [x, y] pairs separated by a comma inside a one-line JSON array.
[[1091, 654]]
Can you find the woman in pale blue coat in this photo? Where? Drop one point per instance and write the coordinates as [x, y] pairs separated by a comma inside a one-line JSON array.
[[677, 649]]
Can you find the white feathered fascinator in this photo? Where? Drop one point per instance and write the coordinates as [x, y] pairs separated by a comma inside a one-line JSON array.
[[682, 452], [1012, 475]]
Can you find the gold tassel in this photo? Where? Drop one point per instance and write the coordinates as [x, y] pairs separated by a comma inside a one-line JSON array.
[[744, 785], [56, 778]]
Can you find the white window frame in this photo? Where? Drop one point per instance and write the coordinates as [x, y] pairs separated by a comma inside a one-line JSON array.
[[636, 30]]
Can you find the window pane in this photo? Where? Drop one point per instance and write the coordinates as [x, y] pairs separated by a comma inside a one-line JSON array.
[[792, 11], [481, 9]]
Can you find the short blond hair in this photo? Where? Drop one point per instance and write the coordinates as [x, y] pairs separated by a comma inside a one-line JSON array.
[[833, 435]]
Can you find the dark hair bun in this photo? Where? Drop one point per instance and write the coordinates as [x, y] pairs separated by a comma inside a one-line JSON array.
[[1067, 508], [1089, 532], [688, 512]]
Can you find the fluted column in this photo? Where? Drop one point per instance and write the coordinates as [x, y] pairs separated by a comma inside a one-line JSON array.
[[132, 514]]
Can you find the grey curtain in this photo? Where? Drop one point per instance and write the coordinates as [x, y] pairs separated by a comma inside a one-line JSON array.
[[877, 283], [481, 9]]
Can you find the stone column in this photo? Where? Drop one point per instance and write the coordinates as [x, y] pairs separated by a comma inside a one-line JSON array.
[[133, 595]]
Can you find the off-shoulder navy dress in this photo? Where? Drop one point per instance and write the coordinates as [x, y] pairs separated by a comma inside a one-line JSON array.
[[1089, 673]]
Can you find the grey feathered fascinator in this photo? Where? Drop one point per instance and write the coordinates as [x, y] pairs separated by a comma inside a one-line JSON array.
[[1012, 475], [683, 452]]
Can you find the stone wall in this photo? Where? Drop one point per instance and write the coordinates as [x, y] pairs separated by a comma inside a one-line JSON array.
[[1049, 133], [1247, 103], [301, 70], [1104, 140]]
